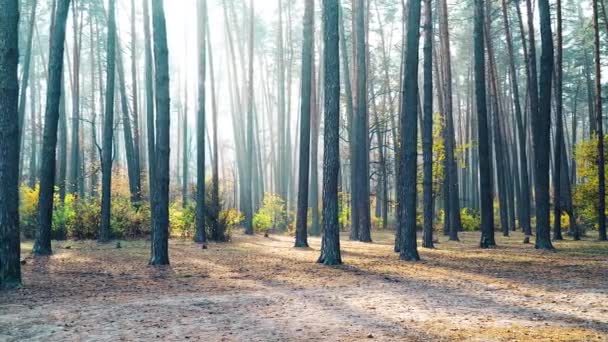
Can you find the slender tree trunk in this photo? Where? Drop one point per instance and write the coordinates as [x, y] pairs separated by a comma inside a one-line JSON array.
[[130, 147], [42, 246], [485, 171], [107, 156], [450, 140], [524, 186], [541, 123], [248, 191], [427, 130], [160, 255], [313, 198], [360, 211], [218, 233], [10, 252], [559, 130], [305, 108], [200, 235], [134, 89], [150, 119], [330, 245], [600, 129], [74, 173], [27, 57]]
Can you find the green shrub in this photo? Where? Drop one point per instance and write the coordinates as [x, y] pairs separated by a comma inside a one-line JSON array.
[[272, 215], [471, 220]]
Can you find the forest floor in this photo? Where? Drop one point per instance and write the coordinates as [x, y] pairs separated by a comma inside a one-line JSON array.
[[262, 289]]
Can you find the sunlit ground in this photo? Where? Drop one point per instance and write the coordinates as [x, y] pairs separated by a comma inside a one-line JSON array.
[[258, 288]]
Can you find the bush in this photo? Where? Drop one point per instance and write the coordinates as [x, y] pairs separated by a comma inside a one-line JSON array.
[[471, 220], [28, 211], [182, 219], [586, 196], [272, 215]]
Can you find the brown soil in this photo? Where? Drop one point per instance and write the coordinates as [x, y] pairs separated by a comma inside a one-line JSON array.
[[262, 289]]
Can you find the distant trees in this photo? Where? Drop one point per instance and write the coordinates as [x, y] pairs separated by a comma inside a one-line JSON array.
[[10, 250], [330, 245], [42, 246]]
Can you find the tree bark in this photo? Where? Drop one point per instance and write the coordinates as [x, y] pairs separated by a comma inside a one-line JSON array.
[[107, 156], [485, 171], [10, 250], [409, 132], [427, 130], [305, 109], [160, 255], [330, 245], [541, 123], [200, 235], [42, 246], [599, 126]]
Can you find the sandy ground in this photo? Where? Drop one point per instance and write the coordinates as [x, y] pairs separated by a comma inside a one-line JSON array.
[[262, 289]]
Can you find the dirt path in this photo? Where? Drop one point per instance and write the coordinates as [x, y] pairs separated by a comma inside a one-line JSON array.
[[261, 289]]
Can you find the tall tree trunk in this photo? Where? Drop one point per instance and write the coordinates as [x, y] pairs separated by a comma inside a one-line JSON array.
[[74, 169], [541, 123], [107, 156], [27, 57], [10, 253], [450, 140], [282, 125], [42, 246], [313, 197], [150, 118], [160, 255], [360, 211], [248, 190], [130, 148], [217, 230], [134, 89], [200, 235], [34, 129], [427, 130], [185, 149], [483, 143], [600, 129], [559, 130], [330, 245], [524, 186], [305, 104], [409, 134]]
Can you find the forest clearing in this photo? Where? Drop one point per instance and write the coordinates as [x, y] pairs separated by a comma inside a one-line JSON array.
[[263, 289]]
